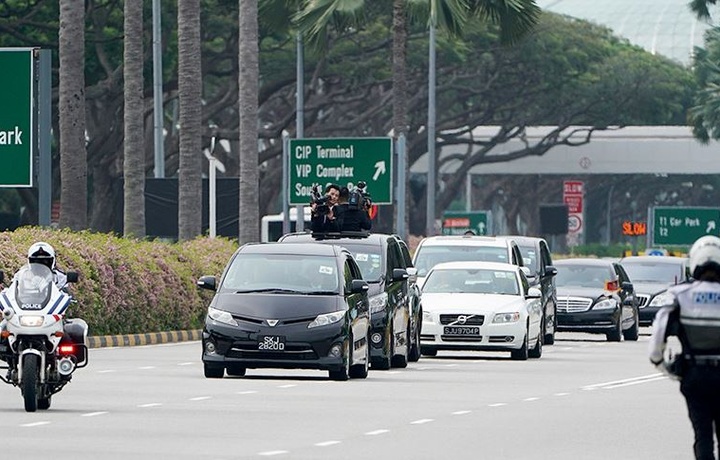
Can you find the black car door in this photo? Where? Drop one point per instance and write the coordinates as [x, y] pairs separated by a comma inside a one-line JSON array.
[[626, 293], [397, 291], [358, 306]]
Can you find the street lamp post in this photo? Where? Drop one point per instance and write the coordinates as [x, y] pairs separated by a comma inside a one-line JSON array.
[[214, 165]]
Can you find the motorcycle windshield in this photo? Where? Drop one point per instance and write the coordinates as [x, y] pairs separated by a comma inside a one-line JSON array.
[[34, 286]]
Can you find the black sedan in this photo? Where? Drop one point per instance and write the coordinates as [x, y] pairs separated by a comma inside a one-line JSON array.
[[301, 306], [596, 296]]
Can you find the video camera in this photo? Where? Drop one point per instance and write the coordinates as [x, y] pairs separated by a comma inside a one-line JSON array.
[[320, 200], [359, 198]]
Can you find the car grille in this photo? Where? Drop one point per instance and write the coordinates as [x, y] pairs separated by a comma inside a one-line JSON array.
[[470, 320], [461, 338], [249, 350], [642, 299], [573, 304]]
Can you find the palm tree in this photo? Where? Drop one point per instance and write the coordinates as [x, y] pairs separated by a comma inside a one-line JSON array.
[[134, 153], [71, 106], [515, 17], [248, 113], [190, 118]]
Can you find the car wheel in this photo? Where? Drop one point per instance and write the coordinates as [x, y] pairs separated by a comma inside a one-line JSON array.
[[213, 372], [343, 373], [633, 333], [522, 353], [401, 361], [383, 363], [360, 371], [549, 339], [236, 371], [415, 347], [616, 334], [536, 351], [428, 351]]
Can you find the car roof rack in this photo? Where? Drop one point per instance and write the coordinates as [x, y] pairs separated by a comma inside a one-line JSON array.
[[338, 235]]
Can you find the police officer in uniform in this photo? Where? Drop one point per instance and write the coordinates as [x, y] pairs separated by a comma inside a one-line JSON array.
[[694, 317]]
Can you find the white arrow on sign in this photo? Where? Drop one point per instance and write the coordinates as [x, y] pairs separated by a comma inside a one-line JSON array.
[[481, 227], [710, 226], [379, 169]]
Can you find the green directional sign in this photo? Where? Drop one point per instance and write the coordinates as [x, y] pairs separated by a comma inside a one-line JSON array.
[[683, 225], [341, 161], [459, 222], [16, 116]]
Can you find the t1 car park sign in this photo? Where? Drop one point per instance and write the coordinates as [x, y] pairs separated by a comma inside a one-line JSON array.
[[319, 162], [683, 225], [17, 91]]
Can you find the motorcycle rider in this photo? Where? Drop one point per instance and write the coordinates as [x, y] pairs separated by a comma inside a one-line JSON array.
[[694, 317], [43, 253]]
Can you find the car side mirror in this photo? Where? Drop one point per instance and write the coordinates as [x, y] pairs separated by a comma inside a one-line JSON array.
[[207, 282], [399, 274], [358, 286], [550, 270], [72, 277], [533, 293], [627, 286], [412, 274]]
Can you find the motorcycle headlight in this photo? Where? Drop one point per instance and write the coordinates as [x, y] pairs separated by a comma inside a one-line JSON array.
[[32, 320], [221, 316], [378, 302], [506, 317], [327, 318], [605, 304], [664, 298]]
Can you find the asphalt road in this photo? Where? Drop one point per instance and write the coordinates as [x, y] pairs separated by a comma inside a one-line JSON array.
[[584, 399]]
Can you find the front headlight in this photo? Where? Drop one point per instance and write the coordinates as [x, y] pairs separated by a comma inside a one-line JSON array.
[[221, 316], [378, 302], [327, 318], [605, 304], [506, 317], [664, 298], [427, 317], [32, 320]]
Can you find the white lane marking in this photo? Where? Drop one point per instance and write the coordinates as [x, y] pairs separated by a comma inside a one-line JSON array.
[[107, 371], [248, 392], [426, 368], [625, 382], [531, 399], [462, 412], [391, 372], [497, 405], [144, 368], [270, 453], [200, 398], [290, 385], [150, 405], [94, 414], [188, 363], [561, 394], [422, 421], [34, 424], [376, 432], [327, 443], [451, 365]]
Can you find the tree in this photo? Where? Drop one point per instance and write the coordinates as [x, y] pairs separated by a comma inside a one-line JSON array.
[[134, 116], [248, 80], [73, 156], [190, 94]]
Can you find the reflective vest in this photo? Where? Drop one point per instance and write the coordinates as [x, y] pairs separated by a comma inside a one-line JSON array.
[[699, 315]]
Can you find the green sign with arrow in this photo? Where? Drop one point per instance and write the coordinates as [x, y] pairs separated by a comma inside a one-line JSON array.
[[459, 222], [683, 225], [319, 162]]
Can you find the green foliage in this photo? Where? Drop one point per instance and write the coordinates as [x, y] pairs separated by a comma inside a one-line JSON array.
[[705, 113], [127, 286]]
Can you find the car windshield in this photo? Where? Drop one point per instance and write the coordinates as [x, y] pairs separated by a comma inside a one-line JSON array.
[[368, 258], [474, 281], [429, 256], [654, 272], [583, 275], [281, 273]]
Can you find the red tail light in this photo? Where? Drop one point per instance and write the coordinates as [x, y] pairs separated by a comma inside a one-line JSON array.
[[67, 349], [612, 285]]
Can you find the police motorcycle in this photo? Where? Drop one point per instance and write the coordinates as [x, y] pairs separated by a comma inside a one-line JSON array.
[[41, 347]]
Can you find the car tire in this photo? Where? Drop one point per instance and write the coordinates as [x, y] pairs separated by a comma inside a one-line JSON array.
[[235, 371], [213, 372], [401, 361], [360, 371], [428, 351], [633, 333], [549, 339], [521, 354], [414, 355], [383, 363], [616, 334], [536, 351], [342, 374], [44, 403]]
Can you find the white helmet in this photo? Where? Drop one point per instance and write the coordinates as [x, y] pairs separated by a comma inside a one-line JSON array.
[[42, 253], [703, 253]]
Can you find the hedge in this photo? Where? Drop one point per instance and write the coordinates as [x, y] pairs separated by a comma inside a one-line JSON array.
[[127, 286]]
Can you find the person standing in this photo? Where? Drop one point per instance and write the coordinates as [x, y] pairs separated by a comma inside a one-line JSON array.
[[694, 317]]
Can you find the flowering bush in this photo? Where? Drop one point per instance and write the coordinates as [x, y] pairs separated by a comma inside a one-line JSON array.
[[127, 286]]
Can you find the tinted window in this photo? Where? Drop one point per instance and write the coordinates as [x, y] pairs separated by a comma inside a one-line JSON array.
[[583, 275], [369, 259], [653, 272], [429, 256], [304, 273]]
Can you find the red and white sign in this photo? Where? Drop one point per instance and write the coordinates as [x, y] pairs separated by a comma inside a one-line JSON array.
[[573, 195]]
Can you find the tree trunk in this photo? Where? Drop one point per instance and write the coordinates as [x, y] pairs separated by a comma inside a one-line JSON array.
[[134, 151], [73, 156], [190, 92], [248, 110]]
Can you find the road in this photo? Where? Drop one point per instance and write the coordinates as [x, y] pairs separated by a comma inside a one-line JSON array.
[[584, 399]]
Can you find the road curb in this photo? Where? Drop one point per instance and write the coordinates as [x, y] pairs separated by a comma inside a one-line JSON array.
[[153, 338]]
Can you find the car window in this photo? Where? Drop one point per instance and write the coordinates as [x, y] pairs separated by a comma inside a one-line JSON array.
[[654, 272], [472, 281], [583, 275], [622, 275], [369, 258], [530, 257], [429, 256], [295, 272]]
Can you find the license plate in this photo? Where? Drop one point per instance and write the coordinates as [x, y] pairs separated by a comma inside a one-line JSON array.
[[461, 330], [271, 342]]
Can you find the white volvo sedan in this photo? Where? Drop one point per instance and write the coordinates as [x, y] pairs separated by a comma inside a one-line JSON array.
[[482, 306]]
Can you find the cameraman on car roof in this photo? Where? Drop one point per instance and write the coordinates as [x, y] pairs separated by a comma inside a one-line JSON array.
[[352, 210], [322, 207]]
